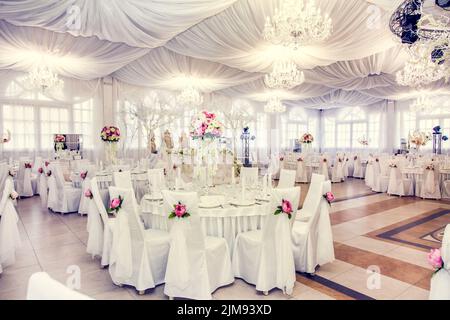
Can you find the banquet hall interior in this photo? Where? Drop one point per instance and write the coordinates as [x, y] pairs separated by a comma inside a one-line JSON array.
[[225, 150]]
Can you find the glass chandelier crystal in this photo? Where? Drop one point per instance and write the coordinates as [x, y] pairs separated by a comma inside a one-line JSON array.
[[422, 104], [285, 75], [421, 70], [274, 105], [297, 23], [190, 97], [42, 78]]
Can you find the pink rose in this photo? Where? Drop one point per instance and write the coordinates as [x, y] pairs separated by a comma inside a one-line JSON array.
[[47, 163], [40, 170], [115, 203], [281, 158], [286, 206], [329, 196], [88, 194], [83, 175], [435, 259], [180, 210], [299, 159]]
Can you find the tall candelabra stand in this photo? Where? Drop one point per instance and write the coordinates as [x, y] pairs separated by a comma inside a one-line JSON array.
[[246, 137]]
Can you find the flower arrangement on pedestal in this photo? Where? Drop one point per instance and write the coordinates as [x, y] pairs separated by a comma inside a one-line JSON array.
[[59, 143], [307, 138], [363, 141], [111, 136], [419, 139], [206, 126]]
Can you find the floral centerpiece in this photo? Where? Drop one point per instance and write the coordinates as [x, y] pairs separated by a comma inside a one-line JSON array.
[[307, 138], [419, 139], [363, 141], [111, 136], [285, 207], [59, 141], [179, 211], [206, 126]]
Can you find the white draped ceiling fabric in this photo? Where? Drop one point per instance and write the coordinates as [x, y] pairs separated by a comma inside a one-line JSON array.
[[216, 46]]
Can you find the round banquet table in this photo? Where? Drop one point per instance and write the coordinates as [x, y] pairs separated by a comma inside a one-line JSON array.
[[225, 221]]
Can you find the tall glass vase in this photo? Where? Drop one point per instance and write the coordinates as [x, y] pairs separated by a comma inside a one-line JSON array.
[[437, 143], [111, 153]]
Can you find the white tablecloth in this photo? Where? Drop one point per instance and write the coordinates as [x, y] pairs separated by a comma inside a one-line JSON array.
[[225, 222]]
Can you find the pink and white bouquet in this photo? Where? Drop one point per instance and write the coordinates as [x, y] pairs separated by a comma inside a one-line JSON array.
[[286, 208], [300, 159], [206, 126], [110, 134], [179, 211], [435, 259], [14, 195], [47, 163], [88, 194], [329, 196], [115, 205], [419, 138], [49, 173], [363, 141], [28, 165], [41, 170], [430, 167], [307, 138], [59, 138]]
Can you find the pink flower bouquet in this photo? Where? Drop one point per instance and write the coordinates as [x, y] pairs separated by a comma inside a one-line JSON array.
[[435, 259], [206, 126], [47, 163], [28, 165], [110, 134], [286, 207], [115, 205], [307, 138], [59, 138], [179, 211], [88, 194], [41, 170], [329, 196], [49, 173], [300, 160]]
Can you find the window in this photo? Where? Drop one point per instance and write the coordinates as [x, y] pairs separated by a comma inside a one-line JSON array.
[[53, 120], [19, 120], [83, 121], [295, 125], [343, 136]]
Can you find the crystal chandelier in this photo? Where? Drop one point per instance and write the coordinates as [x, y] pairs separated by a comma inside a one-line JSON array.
[[297, 23], [420, 70], [190, 97], [42, 78], [422, 104], [274, 105], [284, 75]]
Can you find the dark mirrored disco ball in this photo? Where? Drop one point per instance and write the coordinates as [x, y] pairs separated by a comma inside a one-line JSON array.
[[444, 4]]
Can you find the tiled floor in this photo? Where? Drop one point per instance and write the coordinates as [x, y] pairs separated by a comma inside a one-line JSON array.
[[56, 243]]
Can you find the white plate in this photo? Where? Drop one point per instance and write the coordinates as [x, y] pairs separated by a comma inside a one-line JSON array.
[[243, 203], [265, 199], [209, 206], [211, 201], [153, 197]]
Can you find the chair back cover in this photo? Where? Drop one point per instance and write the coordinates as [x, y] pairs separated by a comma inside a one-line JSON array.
[[277, 258], [156, 180], [287, 178], [122, 179], [98, 201], [187, 246], [314, 188], [325, 239]]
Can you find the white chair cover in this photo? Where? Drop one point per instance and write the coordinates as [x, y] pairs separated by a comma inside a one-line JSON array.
[[380, 181], [430, 188], [42, 287], [67, 197], [314, 192], [138, 257], [24, 184], [206, 260], [323, 167], [440, 282], [337, 171], [305, 235], [325, 240], [287, 179], [4, 173], [301, 172], [9, 231], [123, 179], [358, 170], [156, 180], [265, 257]]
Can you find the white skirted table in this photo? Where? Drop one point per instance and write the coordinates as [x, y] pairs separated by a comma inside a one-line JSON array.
[[225, 221]]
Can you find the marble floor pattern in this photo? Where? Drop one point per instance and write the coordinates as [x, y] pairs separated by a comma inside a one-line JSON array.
[[368, 265]]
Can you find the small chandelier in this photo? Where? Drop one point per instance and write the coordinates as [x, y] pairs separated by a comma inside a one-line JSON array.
[[284, 75], [420, 70], [297, 23], [190, 97], [423, 104], [42, 78], [274, 105]]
